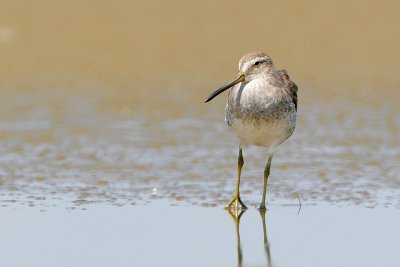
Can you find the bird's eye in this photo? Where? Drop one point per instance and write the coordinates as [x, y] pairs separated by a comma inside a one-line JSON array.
[[257, 63]]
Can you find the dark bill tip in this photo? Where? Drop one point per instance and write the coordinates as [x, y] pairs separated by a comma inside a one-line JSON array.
[[241, 78]]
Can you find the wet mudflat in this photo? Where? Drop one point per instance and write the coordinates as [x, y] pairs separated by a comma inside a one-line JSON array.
[[58, 146]]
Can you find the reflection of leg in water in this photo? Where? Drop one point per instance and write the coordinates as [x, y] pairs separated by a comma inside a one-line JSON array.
[[236, 214], [266, 243]]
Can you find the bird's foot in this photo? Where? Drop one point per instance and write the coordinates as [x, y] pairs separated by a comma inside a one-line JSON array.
[[236, 204], [262, 208]]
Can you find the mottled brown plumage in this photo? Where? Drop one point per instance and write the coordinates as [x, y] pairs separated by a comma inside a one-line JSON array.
[[290, 85]]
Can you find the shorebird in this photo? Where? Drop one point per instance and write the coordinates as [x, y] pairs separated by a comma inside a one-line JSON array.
[[261, 110]]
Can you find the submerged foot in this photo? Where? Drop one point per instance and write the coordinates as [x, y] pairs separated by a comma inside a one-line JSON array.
[[236, 204], [262, 207]]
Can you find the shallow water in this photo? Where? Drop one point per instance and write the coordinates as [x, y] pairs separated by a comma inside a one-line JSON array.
[[161, 235], [104, 134]]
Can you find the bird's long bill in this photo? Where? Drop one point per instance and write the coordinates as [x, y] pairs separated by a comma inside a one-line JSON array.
[[241, 78]]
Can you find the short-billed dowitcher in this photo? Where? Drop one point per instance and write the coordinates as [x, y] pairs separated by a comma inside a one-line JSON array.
[[261, 111]]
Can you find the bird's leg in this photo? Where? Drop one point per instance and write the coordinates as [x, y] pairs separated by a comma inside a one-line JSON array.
[[236, 202], [266, 174]]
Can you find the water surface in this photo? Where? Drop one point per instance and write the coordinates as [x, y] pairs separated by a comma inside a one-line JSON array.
[[161, 235]]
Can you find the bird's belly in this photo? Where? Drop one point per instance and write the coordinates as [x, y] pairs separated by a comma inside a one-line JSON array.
[[267, 132]]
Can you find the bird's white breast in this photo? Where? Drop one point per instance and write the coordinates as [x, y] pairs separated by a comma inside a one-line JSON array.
[[260, 114]]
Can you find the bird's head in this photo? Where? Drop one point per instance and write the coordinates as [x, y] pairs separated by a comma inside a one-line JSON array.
[[251, 66], [255, 64]]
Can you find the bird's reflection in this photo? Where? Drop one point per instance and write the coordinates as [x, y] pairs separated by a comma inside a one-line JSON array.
[[236, 216], [266, 243]]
